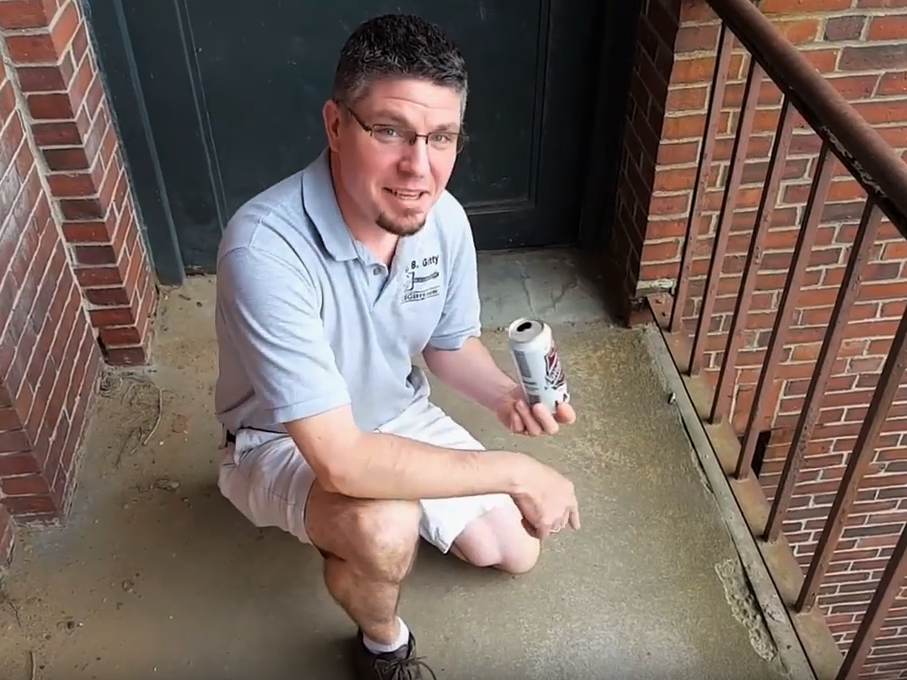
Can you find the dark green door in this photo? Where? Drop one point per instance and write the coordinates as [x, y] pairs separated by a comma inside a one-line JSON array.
[[220, 99]]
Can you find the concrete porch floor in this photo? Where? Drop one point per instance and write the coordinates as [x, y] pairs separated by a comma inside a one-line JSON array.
[[155, 574]]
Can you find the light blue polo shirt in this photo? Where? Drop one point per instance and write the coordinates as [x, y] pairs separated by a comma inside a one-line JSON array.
[[308, 320]]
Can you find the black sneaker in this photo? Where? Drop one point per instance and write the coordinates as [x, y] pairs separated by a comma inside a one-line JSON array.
[[402, 664]]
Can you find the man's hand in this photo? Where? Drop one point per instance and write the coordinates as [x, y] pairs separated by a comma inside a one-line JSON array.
[[546, 499], [472, 372], [514, 413]]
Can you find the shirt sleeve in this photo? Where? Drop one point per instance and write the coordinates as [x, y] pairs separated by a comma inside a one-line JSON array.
[[270, 312], [461, 316]]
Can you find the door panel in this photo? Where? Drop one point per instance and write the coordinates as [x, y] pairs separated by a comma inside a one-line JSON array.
[[234, 90]]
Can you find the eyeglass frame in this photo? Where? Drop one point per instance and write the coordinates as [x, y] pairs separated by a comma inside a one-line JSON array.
[[409, 136]]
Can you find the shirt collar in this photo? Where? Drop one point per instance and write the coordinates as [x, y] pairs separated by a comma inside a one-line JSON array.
[[320, 203]]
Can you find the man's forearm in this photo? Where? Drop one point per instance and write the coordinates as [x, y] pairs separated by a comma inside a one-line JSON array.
[[471, 371], [387, 466]]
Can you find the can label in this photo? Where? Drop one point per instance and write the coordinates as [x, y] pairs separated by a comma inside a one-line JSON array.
[[554, 371], [538, 364]]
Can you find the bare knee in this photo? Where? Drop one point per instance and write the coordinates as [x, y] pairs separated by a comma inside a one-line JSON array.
[[498, 539], [521, 557], [376, 537], [385, 535]]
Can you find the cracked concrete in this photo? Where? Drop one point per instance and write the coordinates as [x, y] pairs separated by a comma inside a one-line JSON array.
[[744, 607], [548, 284], [155, 575]]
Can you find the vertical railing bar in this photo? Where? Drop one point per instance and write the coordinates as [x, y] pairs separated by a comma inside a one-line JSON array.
[[766, 209], [812, 215], [712, 118], [859, 257], [882, 398], [884, 597], [726, 215]]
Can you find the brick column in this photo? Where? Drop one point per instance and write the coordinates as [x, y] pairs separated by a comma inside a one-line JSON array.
[[70, 123], [49, 359], [75, 282], [636, 239]]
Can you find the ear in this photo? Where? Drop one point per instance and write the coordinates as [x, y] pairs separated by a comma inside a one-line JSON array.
[[331, 115]]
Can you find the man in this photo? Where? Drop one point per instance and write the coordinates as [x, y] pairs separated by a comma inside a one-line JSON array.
[[328, 283]]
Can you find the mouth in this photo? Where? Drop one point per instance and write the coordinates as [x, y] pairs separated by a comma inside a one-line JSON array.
[[405, 195]]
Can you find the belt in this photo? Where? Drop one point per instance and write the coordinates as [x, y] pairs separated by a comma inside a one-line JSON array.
[[230, 437]]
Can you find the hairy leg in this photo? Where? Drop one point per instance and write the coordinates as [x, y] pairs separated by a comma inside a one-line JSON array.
[[498, 539], [369, 547]]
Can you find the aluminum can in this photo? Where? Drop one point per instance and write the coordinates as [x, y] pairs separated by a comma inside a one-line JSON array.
[[537, 362]]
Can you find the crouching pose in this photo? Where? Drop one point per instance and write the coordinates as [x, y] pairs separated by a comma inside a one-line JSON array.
[[328, 283]]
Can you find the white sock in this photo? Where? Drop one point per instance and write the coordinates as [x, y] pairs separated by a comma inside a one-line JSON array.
[[379, 648]]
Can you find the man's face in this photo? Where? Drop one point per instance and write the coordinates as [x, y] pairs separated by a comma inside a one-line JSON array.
[[389, 180]]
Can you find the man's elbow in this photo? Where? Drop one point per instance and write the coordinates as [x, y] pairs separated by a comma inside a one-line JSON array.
[[337, 476], [334, 467], [330, 445], [345, 470]]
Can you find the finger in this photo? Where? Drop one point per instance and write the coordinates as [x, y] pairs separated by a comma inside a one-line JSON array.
[[534, 531], [532, 427], [516, 423], [574, 519], [562, 523], [545, 419], [564, 413]]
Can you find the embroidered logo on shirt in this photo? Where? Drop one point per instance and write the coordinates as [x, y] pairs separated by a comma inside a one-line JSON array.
[[422, 279]]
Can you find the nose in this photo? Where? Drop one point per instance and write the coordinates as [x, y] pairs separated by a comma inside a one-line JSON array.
[[416, 158]]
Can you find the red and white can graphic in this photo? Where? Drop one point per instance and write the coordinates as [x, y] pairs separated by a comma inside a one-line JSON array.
[[537, 362]]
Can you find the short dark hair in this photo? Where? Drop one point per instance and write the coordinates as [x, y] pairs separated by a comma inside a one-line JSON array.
[[397, 46]]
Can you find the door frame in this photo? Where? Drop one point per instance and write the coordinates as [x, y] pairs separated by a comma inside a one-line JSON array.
[[129, 116], [119, 70]]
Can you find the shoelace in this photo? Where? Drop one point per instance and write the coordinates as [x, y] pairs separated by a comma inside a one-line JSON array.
[[403, 669]]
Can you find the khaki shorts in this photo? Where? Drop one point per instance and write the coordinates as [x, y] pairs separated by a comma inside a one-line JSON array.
[[268, 481]]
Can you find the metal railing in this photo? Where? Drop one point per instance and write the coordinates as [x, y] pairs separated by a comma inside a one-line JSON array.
[[847, 138]]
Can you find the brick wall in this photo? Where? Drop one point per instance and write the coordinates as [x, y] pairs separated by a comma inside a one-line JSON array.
[[861, 47], [75, 283]]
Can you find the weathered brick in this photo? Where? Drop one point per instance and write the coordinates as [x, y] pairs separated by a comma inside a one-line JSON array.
[[128, 356], [31, 48], [893, 84], [50, 358], [45, 78], [873, 57], [79, 142], [844, 28], [800, 31], [805, 6], [888, 27], [19, 14]]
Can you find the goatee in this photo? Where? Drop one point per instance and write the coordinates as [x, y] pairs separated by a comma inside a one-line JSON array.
[[399, 227]]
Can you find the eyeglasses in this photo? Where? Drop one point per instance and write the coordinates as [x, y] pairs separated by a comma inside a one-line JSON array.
[[394, 135]]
